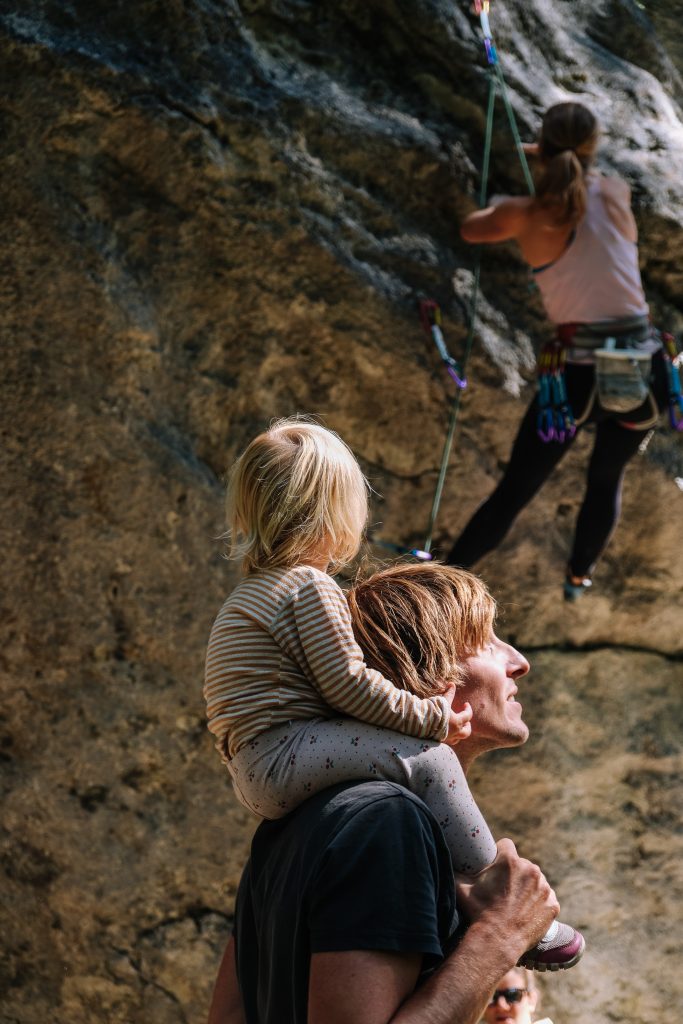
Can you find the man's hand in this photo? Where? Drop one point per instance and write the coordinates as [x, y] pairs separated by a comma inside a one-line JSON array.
[[514, 895]]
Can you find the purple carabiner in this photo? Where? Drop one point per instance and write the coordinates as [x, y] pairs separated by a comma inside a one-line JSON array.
[[491, 54], [461, 381], [423, 556]]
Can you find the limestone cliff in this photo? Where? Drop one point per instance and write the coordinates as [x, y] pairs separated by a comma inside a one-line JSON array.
[[217, 213]]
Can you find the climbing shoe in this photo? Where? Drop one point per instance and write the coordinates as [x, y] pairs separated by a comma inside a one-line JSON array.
[[560, 948], [575, 586]]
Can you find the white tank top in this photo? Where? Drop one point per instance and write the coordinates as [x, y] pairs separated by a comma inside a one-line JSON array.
[[597, 276]]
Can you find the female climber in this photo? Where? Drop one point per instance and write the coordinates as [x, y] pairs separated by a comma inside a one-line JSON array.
[[606, 367]]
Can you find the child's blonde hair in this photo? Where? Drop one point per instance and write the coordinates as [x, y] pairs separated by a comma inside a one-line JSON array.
[[417, 623], [296, 491]]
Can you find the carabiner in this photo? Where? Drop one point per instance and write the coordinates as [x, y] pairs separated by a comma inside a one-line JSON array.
[[430, 318], [675, 396], [456, 373], [399, 549], [545, 425], [676, 412]]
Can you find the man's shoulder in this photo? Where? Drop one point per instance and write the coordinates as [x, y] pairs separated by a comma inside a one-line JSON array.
[[351, 798], [355, 797], [348, 800], [370, 806]]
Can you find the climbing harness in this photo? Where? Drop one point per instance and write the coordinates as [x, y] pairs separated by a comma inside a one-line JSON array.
[[555, 420], [623, 372], [496, 84], [673, 361]]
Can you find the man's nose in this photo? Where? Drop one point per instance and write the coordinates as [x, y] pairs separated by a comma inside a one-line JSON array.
[[518, 665]]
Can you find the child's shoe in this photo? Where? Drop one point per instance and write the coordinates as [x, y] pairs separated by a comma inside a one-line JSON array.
[[560, 948]]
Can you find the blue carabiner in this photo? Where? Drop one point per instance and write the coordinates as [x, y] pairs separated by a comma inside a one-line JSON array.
[[675, 396], [491, 52], [544, 423], [676, 412]]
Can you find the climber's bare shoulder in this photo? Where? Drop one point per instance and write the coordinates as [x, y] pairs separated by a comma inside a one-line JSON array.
[[503, 219]]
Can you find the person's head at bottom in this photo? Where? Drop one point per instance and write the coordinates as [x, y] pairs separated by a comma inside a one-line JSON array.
[[346, 910], [514, 1000]]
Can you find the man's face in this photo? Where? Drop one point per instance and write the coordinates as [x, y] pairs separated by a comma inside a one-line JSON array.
[[490, 687]]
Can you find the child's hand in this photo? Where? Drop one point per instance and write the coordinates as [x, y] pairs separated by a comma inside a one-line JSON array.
[[459, 725], [449, 692]]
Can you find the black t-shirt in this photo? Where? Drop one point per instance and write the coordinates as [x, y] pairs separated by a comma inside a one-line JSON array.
[[359, 866]]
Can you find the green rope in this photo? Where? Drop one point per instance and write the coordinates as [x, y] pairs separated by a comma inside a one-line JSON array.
[[515, 131], [455, 407], [495, 78]]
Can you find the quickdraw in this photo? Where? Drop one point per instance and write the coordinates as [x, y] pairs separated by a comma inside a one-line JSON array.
[[555, 420], [673, 361], [430, 318], [481, 7]]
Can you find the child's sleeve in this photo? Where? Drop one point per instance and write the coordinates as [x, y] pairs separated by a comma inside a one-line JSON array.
[[335, 664]]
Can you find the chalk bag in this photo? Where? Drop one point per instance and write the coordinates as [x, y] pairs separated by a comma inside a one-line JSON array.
[[623, 376]]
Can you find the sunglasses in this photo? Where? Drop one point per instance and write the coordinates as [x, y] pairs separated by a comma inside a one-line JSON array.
[[510, 995]]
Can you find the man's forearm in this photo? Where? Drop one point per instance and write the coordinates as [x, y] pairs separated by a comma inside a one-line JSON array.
[[511, 906], [458, 992]]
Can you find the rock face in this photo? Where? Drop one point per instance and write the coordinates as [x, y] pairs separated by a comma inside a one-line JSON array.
[[216, 214]]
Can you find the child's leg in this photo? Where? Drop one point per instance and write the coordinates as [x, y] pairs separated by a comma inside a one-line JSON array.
[[284, 766]]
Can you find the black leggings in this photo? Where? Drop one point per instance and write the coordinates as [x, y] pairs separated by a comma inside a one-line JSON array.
[[532, 462]]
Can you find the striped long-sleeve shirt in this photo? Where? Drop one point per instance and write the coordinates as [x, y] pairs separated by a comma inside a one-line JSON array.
[[282, 648]]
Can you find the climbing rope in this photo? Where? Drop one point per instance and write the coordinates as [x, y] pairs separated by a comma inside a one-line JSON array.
[[496, 83], [430, 314]]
